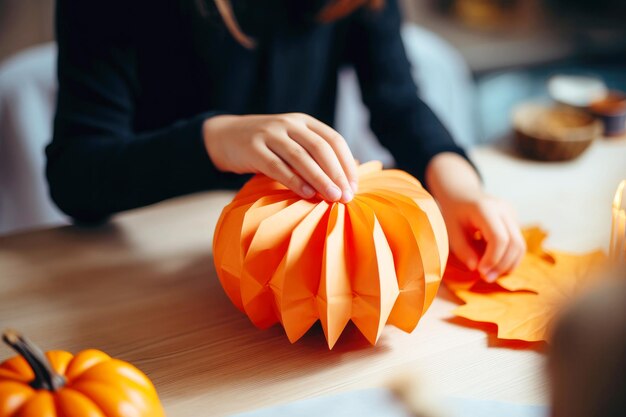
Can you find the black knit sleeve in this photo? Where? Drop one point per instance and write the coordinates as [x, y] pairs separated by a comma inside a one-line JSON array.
[[400, 119], [96, 163]]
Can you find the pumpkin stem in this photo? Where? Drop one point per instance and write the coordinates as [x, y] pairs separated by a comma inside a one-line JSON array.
[[45, 377]]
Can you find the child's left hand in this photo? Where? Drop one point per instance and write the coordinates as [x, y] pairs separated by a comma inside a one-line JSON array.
[[469, 212]]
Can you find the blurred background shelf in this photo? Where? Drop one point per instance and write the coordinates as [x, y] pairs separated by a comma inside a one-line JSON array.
[[490, 34], [495, 35]]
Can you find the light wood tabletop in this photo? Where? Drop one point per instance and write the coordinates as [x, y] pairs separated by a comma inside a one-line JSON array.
[[143, 288]]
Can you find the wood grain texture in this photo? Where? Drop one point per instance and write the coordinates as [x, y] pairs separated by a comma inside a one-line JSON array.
[[143, 288]]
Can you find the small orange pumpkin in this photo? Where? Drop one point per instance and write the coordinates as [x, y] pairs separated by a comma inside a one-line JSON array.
[[59, 384]]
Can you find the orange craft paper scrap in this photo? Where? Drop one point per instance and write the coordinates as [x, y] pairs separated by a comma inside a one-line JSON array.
[[376, 260], [537, 290]]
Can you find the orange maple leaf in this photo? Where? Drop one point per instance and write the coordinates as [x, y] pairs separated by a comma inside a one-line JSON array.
[[538, 289]]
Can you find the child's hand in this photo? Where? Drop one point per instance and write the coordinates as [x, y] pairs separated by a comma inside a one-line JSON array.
[[295, 149], [468, 211]]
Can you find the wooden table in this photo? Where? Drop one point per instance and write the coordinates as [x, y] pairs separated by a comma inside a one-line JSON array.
[[143, 288]]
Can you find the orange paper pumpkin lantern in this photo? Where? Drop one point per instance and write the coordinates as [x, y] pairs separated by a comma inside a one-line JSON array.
[[90, 384], [376, 260]]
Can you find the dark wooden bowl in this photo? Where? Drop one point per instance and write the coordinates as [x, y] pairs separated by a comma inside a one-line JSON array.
[[553, 133]]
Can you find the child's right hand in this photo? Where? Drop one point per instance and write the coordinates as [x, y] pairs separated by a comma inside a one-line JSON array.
[[295, 149]]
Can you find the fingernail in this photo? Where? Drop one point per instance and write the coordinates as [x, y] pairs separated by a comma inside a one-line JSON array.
[[492, 276], [347, 196], [307, 191], [354, 186], [333, 193]]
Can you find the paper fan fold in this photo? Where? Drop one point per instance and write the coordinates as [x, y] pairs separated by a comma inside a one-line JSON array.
[[376, 260]]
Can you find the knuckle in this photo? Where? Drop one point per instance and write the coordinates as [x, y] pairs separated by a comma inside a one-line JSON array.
[[258, 142], [495, 253], [273, 141], [501, 238], [296, 153], [335, 138], [318, 146], [267, 130], [337, 175], [319, 180], [273, 167], [298, 115], [281, 122]]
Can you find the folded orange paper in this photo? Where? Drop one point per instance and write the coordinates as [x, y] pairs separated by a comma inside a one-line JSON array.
[[376, 260]]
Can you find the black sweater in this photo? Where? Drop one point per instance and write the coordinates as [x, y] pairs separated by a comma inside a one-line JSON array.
[[137, 79]]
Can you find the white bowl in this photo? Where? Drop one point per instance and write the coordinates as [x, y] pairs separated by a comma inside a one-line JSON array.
[[576, 90]]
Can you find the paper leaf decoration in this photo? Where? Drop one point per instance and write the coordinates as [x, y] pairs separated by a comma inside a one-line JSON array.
[[538, 289], [519, 315], [565, 277], [376, 260]]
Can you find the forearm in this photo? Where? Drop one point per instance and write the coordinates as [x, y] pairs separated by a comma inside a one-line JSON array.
[[450, 176]]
